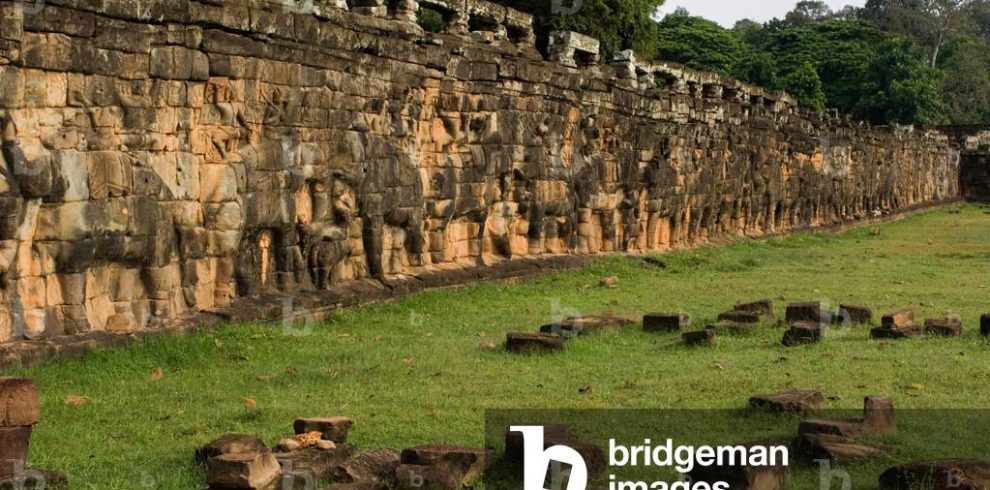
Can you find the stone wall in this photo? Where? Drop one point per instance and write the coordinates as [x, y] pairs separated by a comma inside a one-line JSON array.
[[164, 158], [974, 168]]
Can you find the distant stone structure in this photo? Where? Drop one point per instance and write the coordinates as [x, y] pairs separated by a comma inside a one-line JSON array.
[[974, 169], [170, 160]]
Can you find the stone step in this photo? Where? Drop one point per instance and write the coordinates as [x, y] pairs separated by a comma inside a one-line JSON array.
[[333, 428]]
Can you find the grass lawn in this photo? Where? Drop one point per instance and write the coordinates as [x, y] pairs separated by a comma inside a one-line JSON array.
[[412, 372]]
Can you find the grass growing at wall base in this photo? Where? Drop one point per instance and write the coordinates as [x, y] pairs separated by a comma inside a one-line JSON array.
[[412, 372]]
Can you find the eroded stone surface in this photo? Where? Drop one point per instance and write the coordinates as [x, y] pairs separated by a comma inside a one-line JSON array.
[[855, 315], [18, 402], [740, 316], [815, 447], [190, 162], [229, 444], [377, 465], [944, 327], [14, 442], [793, 402], [806, 312], [465, 464], [898, 319], [880, 333], [763, 307], [803, 333], [243, 471], [706, 337]]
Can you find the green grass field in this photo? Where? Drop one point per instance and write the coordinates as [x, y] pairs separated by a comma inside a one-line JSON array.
[[412, 372]]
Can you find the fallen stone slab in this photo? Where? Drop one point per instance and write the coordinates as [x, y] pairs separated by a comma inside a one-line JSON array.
[[793, 402], [229, 444], [944, 327], [528, 343], [243, 471], [898, 319], [985, 325], [18, 402], [665, 322], [14, 443], [333, 428], [312, 464], [803, 333], [882, 333], [942, 474], [742, 476], [855, 315], [416, 477], [816, 447], [810, 311], [706, 337], [377, 465], [33, 479], [763, 307], [466, 464], [740, 316]]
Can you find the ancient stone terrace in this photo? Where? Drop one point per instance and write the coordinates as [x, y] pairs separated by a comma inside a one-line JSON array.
[[179, 161]]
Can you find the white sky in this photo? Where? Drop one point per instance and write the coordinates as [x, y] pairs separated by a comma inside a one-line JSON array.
[[727, 12]]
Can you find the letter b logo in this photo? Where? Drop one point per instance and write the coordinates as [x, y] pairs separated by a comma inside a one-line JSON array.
[[537, 460]]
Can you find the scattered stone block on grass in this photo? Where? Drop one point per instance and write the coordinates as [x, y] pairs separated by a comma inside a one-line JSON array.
[[243, 471], [985, 325], [881, 333], [805, 312], [32, 479], [229, 444], [763, 307], [855, 315], [816, 447], [311, 464], [416, 477], [377, 465], [665, 322], [14, 443], [584, 325], [963, 474], [553, 435], [898, 319], [528, 343], [332, 428], [697, 338], [18, 402], [803, 333], [742, 476], [740, 316], [466, 464], [945, 327], [878, 419], [793, 402]]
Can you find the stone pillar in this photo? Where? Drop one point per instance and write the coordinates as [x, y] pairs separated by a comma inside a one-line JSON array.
[[406, 10], [573, 49], [459, 23]]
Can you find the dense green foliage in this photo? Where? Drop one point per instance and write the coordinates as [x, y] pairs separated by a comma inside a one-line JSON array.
[[699, 43], [618, 24]]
